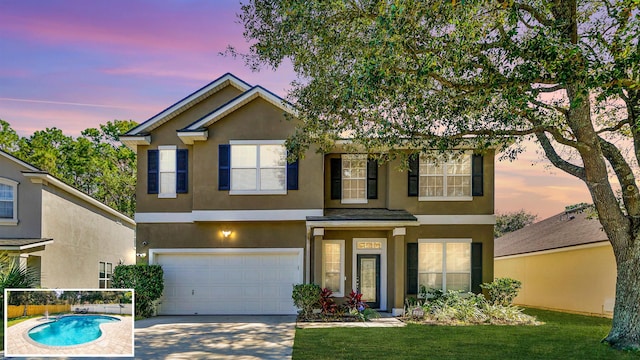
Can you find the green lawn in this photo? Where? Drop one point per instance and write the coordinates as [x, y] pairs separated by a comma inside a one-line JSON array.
[[564, 336]]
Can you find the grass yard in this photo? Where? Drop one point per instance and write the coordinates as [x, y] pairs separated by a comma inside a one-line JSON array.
[[564, 336]]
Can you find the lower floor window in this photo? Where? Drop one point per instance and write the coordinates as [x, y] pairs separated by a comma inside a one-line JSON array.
[[333, 266], [444, 265], [105, 275]]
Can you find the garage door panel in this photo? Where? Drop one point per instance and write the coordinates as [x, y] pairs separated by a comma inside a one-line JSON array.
[[230, 283]]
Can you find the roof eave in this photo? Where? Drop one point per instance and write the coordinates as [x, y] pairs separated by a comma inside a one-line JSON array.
[[132, 142], [189, 137]]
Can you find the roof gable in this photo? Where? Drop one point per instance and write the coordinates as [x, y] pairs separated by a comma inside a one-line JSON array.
[[190, 100], [197, 130]]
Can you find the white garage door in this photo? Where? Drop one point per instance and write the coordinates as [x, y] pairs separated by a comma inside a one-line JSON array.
[[230, 281]]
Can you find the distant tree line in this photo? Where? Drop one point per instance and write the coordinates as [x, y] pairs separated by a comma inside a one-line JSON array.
[[512, 221], [94, 162]]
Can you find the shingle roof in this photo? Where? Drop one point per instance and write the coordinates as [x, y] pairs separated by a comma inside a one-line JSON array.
[[363, 214], [559, 231]]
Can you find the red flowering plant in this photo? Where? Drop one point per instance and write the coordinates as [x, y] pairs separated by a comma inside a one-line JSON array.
[[354, 302], [327, 302], [359, 307]]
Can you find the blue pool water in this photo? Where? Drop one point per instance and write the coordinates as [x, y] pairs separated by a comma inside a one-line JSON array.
[[70, 330]]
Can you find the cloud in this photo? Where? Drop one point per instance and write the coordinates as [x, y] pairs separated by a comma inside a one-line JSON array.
[[202, 27], [61, 103]]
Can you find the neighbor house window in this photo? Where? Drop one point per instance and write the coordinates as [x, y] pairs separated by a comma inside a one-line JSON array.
[[106, 270], [445, 177], [444, 264], [8, 202], [258, 168], [333, 266], [354, 178]]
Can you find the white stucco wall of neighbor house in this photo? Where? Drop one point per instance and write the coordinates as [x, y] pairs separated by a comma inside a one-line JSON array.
[[84, 235]]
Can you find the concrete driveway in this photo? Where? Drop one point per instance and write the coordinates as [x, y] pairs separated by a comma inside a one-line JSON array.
[[215, 337]]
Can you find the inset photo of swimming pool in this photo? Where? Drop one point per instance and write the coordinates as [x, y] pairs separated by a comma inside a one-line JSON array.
[[68, 322]]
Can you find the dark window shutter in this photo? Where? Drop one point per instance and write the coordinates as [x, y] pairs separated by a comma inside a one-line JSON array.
[[476, 267], [224, 167], [414, 175], [372, 179], [412, 268], [152, 171], [182, 170], [336, 178], [477, 178], [292, 175]]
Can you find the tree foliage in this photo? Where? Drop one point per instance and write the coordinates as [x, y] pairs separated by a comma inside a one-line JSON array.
[[147, 282], [512, 221], [95, 162], [437, 74]]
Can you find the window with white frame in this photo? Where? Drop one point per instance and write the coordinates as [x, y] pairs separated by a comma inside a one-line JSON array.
[[444, 264], [333, 266], [258, 168], [167, 171], [106, 270], [354, 178], [445, 177], [8, 201]]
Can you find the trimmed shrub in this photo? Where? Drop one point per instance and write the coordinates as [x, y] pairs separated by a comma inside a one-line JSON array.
[[146, 280], [502, 291], [306, 297]]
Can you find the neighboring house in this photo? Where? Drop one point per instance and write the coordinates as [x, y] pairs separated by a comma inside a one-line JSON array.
[[70, 239], [234, 225], [565, 263]]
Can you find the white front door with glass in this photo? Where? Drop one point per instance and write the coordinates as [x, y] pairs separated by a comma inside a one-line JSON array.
[[370, 271]]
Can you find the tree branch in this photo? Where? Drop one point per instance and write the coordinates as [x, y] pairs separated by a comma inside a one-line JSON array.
[[534, 13], [616, 127], [558, 161], [630, 194]]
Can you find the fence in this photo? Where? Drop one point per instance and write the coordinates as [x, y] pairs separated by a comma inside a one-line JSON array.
[[105, 308], [14, 311]]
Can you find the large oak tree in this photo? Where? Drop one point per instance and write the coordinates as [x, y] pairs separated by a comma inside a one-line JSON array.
[[432, 74]]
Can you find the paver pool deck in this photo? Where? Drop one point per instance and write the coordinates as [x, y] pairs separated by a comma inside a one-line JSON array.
[[116, 340]]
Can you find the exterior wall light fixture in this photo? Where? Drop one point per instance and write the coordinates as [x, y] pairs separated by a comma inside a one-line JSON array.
[[226, 233]]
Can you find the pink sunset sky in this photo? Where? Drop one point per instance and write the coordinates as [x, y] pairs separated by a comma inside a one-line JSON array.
[[75, 64]]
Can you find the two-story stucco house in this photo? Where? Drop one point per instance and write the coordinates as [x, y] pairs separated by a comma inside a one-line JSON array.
[[234, 225], [68, 238]]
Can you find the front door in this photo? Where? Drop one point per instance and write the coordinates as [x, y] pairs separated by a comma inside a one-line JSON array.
[[368, 279]]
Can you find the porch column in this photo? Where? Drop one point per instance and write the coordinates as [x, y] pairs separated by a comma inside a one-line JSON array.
[[399, 270], [316, 253]]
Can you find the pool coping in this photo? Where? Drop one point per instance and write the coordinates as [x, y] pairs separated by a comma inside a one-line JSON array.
[[116, 340]]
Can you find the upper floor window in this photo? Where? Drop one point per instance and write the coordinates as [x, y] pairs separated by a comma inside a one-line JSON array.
[[167, 171], [354, 178], [8, 202], [256, 167], [445, 177]]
